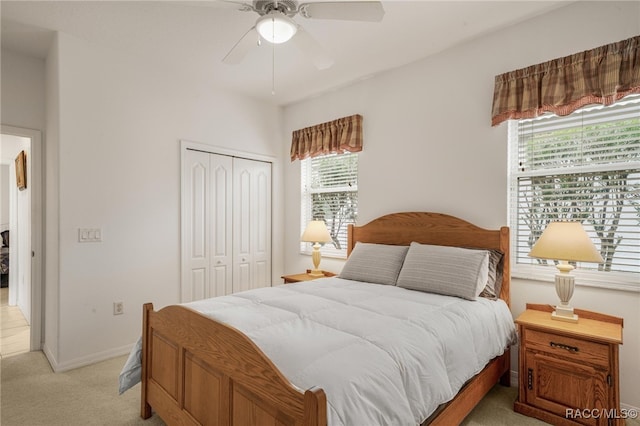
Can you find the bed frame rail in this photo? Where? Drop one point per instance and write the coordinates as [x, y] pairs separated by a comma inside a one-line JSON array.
[[200, 372]]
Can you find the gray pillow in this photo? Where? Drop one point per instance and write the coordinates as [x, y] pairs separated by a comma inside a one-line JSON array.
[[452, 271], [374, 263]]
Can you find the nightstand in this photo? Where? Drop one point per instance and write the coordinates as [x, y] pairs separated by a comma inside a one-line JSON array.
[[568, 372], [288, 279]]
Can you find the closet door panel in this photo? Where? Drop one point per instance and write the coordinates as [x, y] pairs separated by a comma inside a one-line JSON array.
[[199, 283], [195, 247], [262, 219], [242, 277], [252, 224], [242, 267], [262, 274], [221, 219]]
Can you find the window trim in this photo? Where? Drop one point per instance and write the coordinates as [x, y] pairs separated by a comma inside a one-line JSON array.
[[305, 167], [612, 280], [621, 281]]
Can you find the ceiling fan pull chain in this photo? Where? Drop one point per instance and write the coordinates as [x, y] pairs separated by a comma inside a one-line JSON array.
[[273, 69]]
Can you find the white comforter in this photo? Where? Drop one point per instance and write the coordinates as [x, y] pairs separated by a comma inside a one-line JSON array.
[[384, 355]]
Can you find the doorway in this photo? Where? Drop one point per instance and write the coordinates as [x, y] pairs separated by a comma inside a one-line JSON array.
[[21, 224]]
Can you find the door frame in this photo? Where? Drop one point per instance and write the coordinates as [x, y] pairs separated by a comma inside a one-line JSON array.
[[37, 230], [211, 149]]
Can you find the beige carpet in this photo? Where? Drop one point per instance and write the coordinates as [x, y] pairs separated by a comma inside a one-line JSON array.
[[32, 395]]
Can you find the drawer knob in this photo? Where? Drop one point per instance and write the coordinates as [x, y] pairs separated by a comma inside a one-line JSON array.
[[563, 346]]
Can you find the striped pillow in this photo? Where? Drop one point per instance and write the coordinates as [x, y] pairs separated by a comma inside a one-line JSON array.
[[452, 271], [374, 263]]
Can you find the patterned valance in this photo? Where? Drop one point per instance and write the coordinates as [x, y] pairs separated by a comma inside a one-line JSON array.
[[343, 134], [602, 75]]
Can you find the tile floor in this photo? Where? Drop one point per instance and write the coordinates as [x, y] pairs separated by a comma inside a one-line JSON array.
[[14, 330]]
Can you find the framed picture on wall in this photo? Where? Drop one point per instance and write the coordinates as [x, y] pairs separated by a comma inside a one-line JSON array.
[[21, 171]]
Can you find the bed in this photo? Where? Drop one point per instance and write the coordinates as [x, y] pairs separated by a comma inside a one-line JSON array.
[[197, 370]]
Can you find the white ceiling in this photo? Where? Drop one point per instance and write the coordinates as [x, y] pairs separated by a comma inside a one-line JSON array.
[[194, 36]]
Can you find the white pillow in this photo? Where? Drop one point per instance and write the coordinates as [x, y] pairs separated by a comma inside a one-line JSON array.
[[374, 263], [452, 271]]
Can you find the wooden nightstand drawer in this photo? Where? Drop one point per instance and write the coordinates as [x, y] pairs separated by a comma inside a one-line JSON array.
[[567, 347]]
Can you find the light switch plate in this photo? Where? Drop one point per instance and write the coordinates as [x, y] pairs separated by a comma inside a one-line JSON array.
[[89, 235]]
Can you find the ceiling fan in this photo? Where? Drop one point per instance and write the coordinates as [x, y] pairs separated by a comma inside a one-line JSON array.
[[276, 24]]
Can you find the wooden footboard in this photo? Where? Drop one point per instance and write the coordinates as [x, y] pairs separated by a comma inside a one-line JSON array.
[[196, 371]]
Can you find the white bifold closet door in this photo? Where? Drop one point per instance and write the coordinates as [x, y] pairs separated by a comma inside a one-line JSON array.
[[226, 225]]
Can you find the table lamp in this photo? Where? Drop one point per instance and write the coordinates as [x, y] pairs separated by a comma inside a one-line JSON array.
[[565, 242], [316, 233]]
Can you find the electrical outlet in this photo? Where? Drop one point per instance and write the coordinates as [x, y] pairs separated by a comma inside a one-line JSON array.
[[118, 308]]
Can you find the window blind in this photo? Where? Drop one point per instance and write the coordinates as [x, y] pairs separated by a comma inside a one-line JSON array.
[[329, 186], [583, 167]]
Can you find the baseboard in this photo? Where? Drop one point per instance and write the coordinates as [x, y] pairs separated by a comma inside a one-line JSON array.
[[59, 367], [49, 355], [629, 408]]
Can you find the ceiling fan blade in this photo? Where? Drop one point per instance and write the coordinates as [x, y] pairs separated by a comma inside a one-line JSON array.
[[310, 47], [244, 6], [370, 11], [242, 47]]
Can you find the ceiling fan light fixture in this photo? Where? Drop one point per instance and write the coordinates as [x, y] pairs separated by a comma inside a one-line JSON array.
[[276, 27]]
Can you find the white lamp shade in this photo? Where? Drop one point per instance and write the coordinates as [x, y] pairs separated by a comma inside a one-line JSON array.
[[566, 241], [316, 232], [276, 27]]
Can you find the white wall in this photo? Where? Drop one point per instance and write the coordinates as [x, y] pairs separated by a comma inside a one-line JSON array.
[[429, 145], [23, 105], [114, 123], [23, 91], [4, 197], [51, 303]]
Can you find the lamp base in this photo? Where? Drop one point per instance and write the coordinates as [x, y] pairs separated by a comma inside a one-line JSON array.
[[565, 283], [316, 273], [564, 313], [316, 256]]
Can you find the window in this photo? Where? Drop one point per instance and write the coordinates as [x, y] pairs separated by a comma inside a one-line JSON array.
[[583, 167], [330, 193]]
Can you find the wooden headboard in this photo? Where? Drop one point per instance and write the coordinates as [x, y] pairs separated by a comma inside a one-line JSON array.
[[437, 229]]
